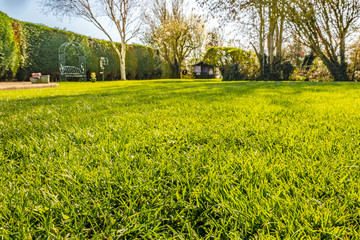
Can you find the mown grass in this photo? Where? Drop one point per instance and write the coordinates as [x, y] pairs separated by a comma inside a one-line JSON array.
[[181, 159]]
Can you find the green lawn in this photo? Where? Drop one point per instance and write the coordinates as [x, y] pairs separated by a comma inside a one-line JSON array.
[[181, 159]]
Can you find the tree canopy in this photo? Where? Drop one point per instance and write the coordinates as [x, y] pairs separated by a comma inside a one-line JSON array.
[[174, 33]]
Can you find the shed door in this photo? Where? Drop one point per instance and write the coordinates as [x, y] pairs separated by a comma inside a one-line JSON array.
[[205, 69]]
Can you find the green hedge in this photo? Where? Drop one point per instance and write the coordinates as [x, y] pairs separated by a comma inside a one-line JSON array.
[[27, 48], [9, 47]]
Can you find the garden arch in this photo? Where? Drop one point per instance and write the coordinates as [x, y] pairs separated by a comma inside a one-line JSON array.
[[67, 71]]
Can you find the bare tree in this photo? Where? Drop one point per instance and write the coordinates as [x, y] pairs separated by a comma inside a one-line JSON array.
[[324, 25], [215, 38], [124, 14], [174, 33]]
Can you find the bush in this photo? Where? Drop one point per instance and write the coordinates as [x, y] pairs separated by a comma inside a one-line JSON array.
[[232, 72], [234, 63], [286, 68], [317, 73]]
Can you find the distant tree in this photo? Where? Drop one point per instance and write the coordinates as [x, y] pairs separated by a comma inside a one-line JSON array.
[[124, 14], [324, 25], [295, 53], [215, 38], [354, 58], [174, 33]]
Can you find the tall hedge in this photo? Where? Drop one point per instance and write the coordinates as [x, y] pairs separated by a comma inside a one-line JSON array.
[[9, 47], [27, 48]]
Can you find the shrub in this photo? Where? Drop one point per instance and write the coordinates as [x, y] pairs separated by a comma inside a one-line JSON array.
[[286, 68], [232, 72], [317, 72], [234, 63]]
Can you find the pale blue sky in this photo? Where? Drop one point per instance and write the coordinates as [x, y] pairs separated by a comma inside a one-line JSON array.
[[31, 11]]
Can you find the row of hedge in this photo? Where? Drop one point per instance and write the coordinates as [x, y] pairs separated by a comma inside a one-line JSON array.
[[9, 49], [27, 48]]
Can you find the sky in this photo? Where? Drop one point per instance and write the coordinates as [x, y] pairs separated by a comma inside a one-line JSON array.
[[31, 11]]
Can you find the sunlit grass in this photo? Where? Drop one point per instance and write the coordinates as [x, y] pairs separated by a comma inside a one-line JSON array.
[[181, 159]]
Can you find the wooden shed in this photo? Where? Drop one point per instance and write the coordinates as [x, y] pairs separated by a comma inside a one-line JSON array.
[[203, 71]]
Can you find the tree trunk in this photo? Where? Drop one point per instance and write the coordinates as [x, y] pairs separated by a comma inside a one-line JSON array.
[[272, 27], [261, 57], [355, 65], [342, 49], [175, 70], [123, 62], [338, 71], [280, 36]]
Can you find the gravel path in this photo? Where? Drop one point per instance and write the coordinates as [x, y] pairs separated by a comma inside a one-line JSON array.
[[25, 85]]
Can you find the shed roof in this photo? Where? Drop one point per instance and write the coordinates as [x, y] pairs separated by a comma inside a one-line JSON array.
[[202, 64]]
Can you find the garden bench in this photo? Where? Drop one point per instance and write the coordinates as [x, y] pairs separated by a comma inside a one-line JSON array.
[[72, 72], [67, 71]]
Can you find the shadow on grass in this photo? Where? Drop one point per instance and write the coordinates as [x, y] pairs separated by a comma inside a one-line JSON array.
[[156, 91]]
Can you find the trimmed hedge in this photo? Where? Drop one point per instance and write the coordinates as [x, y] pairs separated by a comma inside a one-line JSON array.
[[27, 48], [9, 47]]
